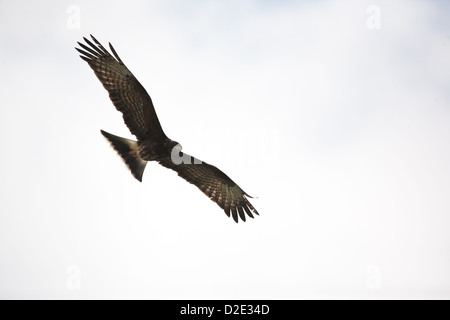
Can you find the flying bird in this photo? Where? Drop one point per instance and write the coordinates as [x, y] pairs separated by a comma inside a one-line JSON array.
[[132, 100]]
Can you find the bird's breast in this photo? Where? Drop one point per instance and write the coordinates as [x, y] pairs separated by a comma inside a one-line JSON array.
[[150, 151]]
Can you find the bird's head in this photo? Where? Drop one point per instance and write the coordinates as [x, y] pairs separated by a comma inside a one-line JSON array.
[[177, 147], [173, 146], [174, 149]]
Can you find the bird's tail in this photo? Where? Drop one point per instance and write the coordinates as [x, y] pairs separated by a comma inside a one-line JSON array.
[[128, 150]]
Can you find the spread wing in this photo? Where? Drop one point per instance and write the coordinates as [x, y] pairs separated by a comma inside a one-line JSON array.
[[125, 91], [215, 184]]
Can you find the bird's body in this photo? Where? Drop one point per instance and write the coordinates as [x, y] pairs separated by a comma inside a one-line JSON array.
[[151, 150], [130, 98]]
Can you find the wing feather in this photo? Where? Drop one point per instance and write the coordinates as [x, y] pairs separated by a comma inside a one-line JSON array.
[[125, 91], [216, 185], [241, 212]]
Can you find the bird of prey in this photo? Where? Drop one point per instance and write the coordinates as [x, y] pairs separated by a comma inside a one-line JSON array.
[[132, 100]]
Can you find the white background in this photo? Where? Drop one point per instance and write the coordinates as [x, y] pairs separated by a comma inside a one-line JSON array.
[[335, 114]]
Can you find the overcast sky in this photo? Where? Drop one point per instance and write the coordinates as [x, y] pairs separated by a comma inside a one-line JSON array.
[[334, 114]]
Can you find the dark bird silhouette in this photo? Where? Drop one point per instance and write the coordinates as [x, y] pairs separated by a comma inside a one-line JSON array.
[[130, 98]]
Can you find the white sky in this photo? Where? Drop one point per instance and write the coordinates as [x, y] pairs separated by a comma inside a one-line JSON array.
[[341, 131]]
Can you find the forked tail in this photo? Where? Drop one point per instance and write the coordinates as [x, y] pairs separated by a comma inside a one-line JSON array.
[[128, 150]]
